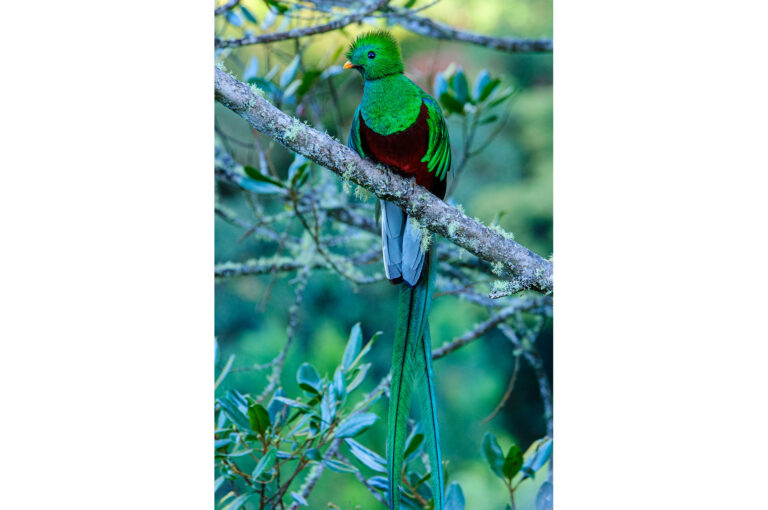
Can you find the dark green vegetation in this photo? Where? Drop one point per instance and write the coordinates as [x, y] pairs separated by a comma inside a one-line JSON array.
[[273, 208]]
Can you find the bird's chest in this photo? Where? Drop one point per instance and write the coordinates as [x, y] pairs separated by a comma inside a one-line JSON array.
[[388, 109], [402, 150]]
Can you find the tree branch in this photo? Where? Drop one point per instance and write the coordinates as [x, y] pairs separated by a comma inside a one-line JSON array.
[[516, 263], [429, 28], [301, 32], [487, 325], [316, 472], [227, 6]]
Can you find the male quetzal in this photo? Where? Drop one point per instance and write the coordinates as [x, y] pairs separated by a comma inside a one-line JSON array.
[[401, 126]]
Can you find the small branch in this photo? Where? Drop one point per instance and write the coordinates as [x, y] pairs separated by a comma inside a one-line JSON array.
[[226, 7], [315, 235], [315, 473], [376, 494], [507, 394], [484, 327], [525, 269], [301, 32], [262, 267], [534, 359], [277, 366]]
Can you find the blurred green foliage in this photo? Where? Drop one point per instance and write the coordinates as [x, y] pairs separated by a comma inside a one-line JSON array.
[[511, 179]]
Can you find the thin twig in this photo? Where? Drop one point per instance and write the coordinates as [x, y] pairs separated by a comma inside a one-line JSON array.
[[507, 394], [277, 366], [226, 7], [302, 32], [376, 494], [532, 356], [487, 325], [315, 474]]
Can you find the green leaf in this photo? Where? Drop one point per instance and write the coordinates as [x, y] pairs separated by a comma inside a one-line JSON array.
[[454, 497], [300, 425], [293, 403], [368, 457], [254, 174], [488, 120], [290, 90], [258, 418], [338, 466], [339, 385], [314, 454], [265, 463], [248, 15], [482, 79], [379, 482], [413, 444], [440, 85], [367, 346], [459, 85], [487, 89], [352, 349], [503, 97], [355, 425], [252, 71], [276, 409], [451, 104], [536, 456], [218, 443], [299, 499], [234, 414], [234, 19], [492, 454], [297, 172], [327, 411], [331, 71], [238, 501], [272, 73], [513, 462], [224, 371], [309, 379], [277, 5], [262, 188], [289, 73], [359, 377]]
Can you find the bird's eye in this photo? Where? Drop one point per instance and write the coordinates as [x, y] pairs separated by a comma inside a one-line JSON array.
[[371, 54]]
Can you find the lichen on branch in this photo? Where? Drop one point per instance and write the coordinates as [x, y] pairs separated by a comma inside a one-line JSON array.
[[522, 268]]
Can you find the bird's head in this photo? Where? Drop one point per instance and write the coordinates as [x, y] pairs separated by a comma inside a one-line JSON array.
[[375, 55]]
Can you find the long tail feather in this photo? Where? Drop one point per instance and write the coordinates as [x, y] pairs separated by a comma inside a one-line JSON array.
[[412, 362], [428, 406]]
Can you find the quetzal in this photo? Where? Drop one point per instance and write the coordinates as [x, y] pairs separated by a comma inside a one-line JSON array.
[[401, 126]]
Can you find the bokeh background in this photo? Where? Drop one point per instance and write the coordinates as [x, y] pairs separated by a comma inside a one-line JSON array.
[[512, 176]]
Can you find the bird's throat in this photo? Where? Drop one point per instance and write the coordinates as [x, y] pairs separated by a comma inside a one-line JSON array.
[[390, 104]]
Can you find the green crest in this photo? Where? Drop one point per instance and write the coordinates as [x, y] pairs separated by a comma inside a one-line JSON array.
[[376, 55]]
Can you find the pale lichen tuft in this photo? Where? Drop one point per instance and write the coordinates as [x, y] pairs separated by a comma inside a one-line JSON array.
[[294, 129]]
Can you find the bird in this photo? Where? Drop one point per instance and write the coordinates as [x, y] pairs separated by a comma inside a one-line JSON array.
[[401, 126]]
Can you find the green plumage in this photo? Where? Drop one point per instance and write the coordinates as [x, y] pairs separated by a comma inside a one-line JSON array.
[[412, 365], [400, 125]]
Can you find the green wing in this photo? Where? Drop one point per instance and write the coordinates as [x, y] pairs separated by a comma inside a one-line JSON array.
[[354, 134], [438, 156]]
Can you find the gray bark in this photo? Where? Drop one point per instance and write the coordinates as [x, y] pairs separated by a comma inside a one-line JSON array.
[[514, 262]]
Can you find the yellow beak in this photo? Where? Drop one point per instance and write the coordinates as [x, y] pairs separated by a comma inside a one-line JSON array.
[[348, 65]]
